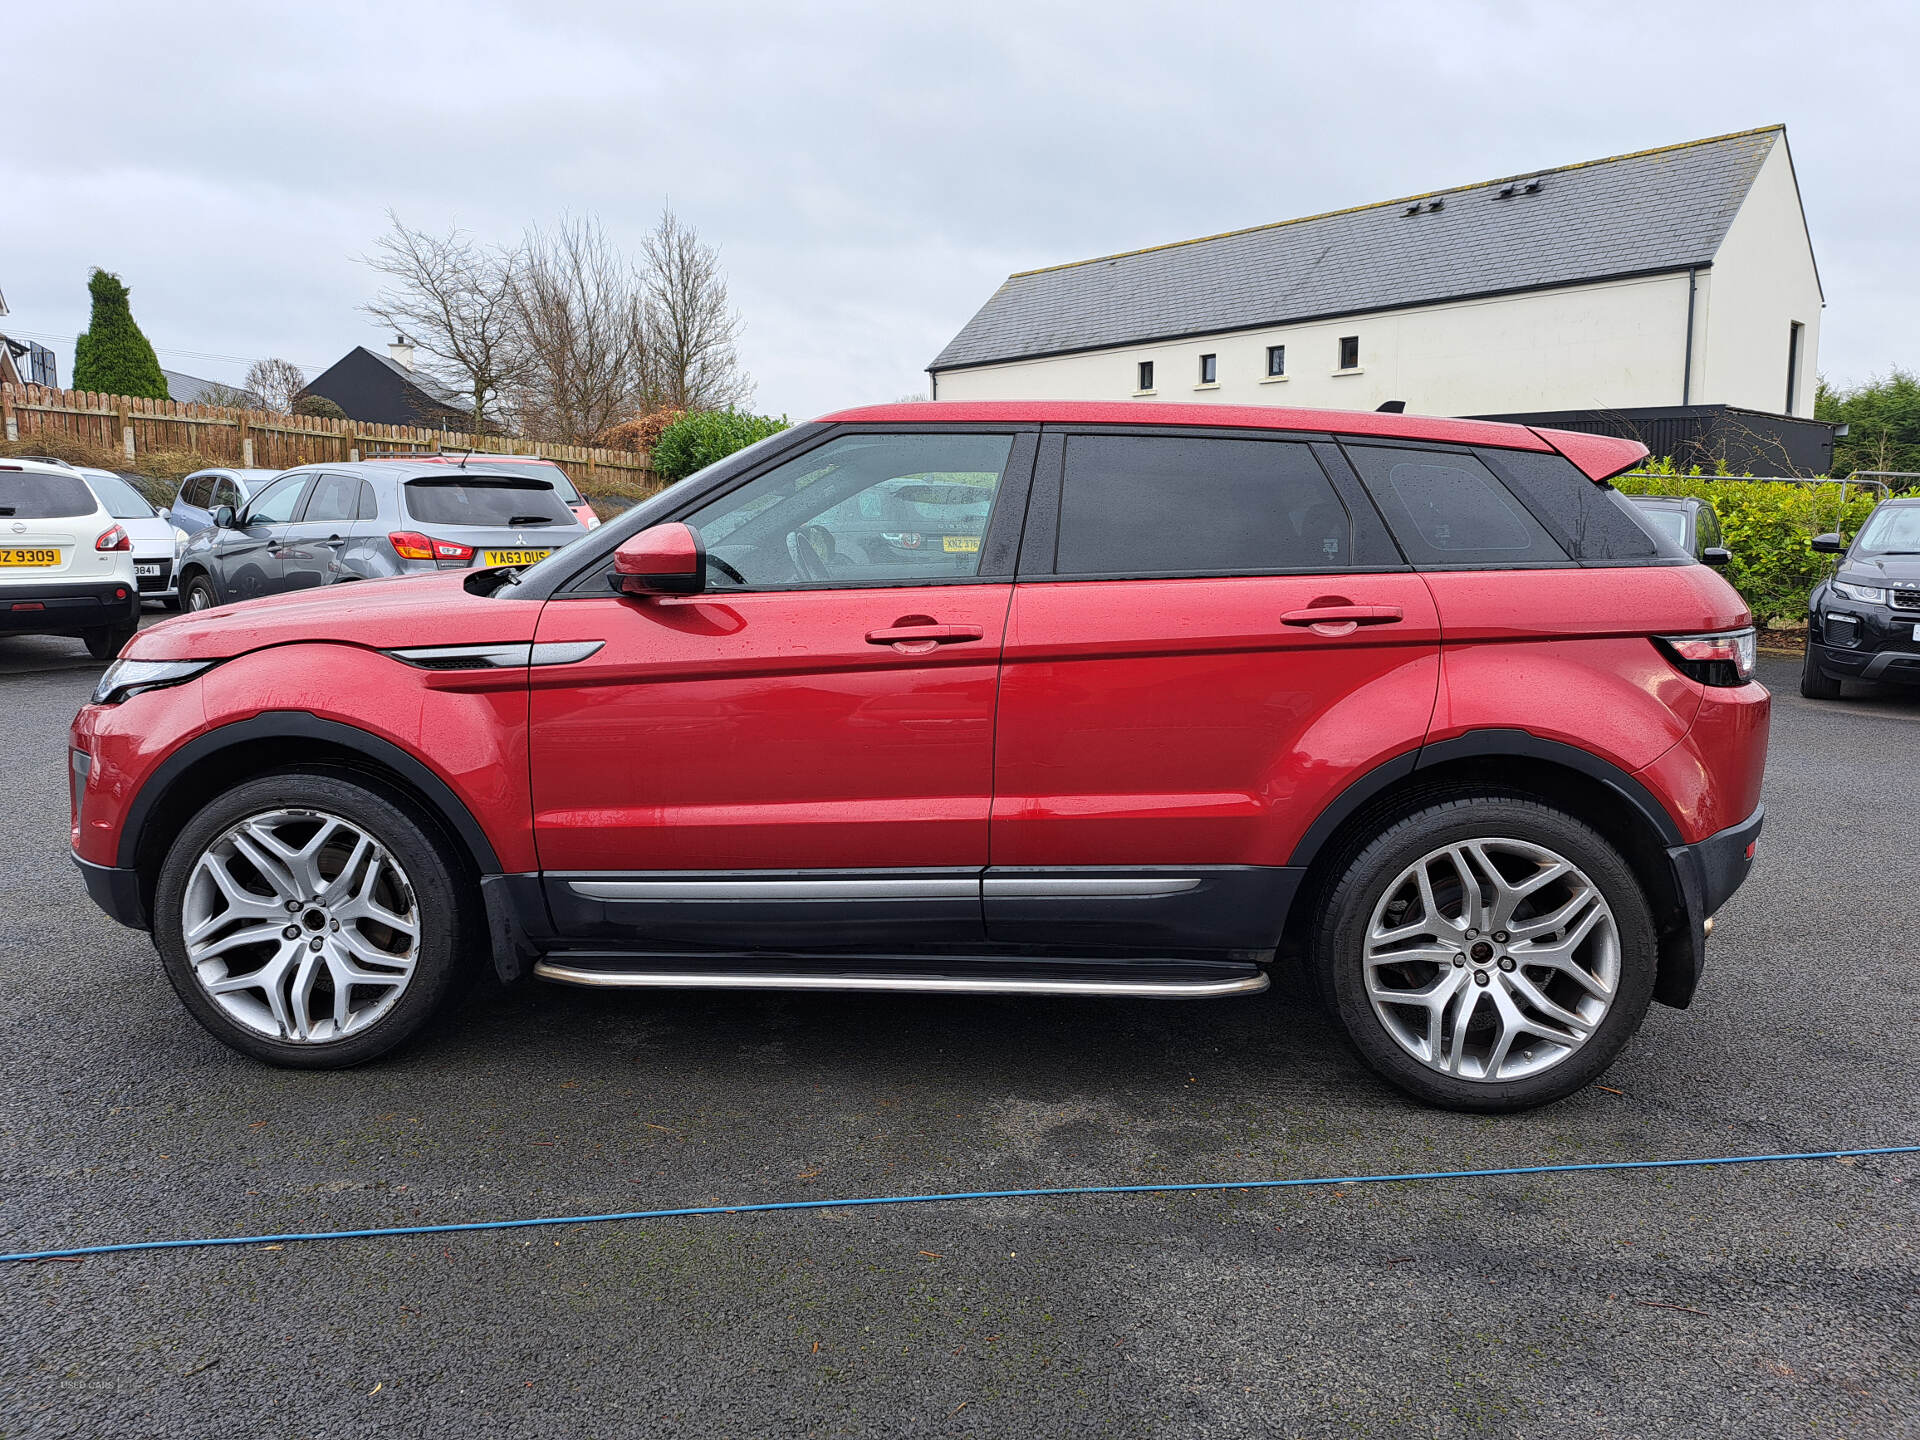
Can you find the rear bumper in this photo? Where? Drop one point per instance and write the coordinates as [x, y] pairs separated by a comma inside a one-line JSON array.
[[1708, 872], [115, 891], [58, 607]]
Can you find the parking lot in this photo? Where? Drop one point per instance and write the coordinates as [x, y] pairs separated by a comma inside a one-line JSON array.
[[1771, 1300]]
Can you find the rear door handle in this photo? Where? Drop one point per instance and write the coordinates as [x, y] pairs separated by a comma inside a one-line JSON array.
[[1329, 615], [926, 636]]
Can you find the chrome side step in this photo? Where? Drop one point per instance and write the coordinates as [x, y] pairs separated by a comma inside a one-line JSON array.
[[1160, 980]]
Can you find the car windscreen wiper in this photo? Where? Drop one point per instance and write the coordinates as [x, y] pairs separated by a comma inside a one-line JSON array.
[[529, 520]]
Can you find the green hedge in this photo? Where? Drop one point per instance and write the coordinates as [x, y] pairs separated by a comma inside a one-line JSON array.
[[1766, 524], [700, 437]]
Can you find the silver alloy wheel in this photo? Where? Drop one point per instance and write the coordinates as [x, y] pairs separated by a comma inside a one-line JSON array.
[[199, 598], [300, 925], [1491, 959]]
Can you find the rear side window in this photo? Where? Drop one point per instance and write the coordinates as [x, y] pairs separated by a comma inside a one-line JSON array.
[[489, 500], [1165, 504], [334, 497], [1594, 523], [1448, 509], [32, 495]]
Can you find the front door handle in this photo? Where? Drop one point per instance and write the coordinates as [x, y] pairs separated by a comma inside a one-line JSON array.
[[920, 638], [1349, 615]]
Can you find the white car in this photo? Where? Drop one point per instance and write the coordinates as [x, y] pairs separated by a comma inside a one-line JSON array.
[[157, 541], [66, 565]]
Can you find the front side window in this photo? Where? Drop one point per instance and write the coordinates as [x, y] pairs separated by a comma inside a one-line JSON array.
[[1146, 375], [859, 510], [274, 505], [1276, 360], [1449, 510], [1209, 369], [198, 491], [1172, 505], [226, 493], [1350, 352]]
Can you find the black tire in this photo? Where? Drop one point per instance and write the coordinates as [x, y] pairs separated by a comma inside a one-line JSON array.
[[1371, 867], [107, 642], [199, 594], [1814, 684], [432, 873]]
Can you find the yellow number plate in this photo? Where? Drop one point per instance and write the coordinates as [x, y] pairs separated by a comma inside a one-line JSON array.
[[960, 544], [516, 557], [41, 559]]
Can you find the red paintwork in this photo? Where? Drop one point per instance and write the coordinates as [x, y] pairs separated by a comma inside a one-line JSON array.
[[1056, 723], [766, 732], [1149, 412], [1149, 722], [1600, 457]]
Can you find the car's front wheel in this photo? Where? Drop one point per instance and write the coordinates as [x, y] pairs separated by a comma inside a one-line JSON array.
[[1814, 683], [1488, 953], [308, 920], [199, 594]]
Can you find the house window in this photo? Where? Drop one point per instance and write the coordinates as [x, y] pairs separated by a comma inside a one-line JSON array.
[[1209, 370], [1794, 332], [1276, 360], [1349, 352], [1146, 375]]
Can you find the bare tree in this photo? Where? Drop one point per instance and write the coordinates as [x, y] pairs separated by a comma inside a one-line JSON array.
[[456, 300], [580, 315], [277, 382], [227, 397], [690, 328]]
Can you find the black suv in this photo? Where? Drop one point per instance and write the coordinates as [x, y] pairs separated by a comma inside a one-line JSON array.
[[1864, 622]]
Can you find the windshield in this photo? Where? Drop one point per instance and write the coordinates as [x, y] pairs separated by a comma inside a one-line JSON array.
[[123, 502], [1670, 523], [35, 495], [1890, 530], [491, 500]]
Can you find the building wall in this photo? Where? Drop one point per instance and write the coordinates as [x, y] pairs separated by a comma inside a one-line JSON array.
[[1611, 345], [1763, 279]]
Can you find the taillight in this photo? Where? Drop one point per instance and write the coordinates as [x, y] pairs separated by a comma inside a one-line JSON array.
[[114, 539], [1724, 659], [412, 545]]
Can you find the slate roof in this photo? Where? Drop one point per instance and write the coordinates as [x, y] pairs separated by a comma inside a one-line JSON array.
[[1650, 211], [424, 383], [192, 390]]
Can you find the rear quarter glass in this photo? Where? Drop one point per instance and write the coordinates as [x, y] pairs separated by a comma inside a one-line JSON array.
[[1591, 522]]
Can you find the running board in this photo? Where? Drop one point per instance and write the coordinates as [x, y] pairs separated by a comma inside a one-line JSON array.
[[950, 975]]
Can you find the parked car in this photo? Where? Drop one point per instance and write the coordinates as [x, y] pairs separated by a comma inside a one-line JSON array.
[[1864, 622], [533, 466], [324, 524], [1689, 522], [1419, 701], [205, 491], [66, 565], [157, 541]]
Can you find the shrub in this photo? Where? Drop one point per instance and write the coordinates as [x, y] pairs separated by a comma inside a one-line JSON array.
[[318, 406], [113, 357], [1766, 524], [700, 437]]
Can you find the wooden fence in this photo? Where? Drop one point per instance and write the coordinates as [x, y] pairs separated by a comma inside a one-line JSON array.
[[133, 426]]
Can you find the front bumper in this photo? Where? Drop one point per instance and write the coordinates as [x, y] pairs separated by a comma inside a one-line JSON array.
[[67, 608], [161, 586], [115, 891], [1899, 664], [1708, 872]]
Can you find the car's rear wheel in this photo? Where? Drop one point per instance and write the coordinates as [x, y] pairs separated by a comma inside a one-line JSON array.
[[308, 920], [1814, 684], [108, 641], [1488, 953], [199, 594]]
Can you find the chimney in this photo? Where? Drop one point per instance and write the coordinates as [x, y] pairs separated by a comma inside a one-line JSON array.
[[401, 352]]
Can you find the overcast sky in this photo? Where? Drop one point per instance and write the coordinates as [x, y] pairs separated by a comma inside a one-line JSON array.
[[871, 173]]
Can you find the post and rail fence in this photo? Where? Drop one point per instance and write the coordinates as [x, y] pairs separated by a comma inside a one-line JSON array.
[[131, 426]]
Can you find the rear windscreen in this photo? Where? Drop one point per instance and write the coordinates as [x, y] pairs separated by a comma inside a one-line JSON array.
[[490, 501], [123, 502], [31, 495]]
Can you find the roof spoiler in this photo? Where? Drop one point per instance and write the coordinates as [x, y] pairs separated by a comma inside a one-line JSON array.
[[1598, 457]]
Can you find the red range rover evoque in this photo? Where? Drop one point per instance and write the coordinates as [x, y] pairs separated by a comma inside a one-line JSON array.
[[1032, 698]]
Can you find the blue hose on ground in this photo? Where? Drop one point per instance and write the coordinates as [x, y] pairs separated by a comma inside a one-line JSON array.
[[384, 1232]]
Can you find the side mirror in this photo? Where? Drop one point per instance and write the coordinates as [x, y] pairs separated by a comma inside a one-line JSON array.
[[223, 517], [1716, 555], [663, 560], [1829, 544]]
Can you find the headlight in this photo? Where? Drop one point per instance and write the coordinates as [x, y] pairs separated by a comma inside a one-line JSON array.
[[180, 538], [129, 677], [1865, 594]]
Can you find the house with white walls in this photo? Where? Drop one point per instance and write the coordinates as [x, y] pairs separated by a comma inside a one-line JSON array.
[[1669, 294]]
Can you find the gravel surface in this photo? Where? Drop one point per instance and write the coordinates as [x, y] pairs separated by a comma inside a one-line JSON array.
[[1777, 1300]]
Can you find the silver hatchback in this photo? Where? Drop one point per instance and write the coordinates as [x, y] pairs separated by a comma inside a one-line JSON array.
[[329, 524]]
